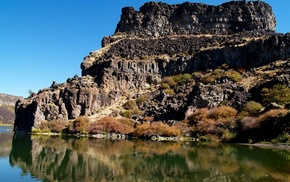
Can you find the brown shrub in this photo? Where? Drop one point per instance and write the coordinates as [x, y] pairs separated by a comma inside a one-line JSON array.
[[81, 125], [156, 128], [248, 123], [206, 127], [270, 115], [111, 125], [199, 115], [169, 80], [57, 125], [222, 113]]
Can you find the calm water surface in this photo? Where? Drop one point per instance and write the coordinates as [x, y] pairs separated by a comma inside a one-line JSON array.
[[41, 158]]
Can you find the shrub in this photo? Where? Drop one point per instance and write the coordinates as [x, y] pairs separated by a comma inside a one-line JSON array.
[[227, 135], [253, 108], [156, 128], [278, 93], [222, 113], [169, 91], [282, 138], [270, 116], [126, 122], [130, 113], [130, 104], [165, 86], [143, 98], [197, 116], [197, 75], [182, 78], [233, 75], [57, 125], [248, 123], [81, 125], [169, 80], [111, 125]]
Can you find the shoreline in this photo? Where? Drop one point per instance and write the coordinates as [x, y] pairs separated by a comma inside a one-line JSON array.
[[282, 146]]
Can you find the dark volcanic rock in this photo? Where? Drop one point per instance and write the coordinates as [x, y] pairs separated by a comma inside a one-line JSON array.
[[160, 19]]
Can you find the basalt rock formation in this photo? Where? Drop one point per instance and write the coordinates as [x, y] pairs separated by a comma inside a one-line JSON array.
[[163, 40]]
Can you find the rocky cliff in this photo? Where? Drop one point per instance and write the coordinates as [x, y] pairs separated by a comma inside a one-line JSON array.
[[7, 103], [158, 41]]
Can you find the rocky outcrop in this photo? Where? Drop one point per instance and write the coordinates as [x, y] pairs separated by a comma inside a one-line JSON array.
[[163, 40], [7, 103], [160, 19], [78, 96]]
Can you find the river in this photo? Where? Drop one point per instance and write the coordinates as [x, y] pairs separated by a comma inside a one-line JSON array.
[[25, 157]]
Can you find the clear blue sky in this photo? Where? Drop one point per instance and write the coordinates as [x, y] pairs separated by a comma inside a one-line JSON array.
[[46, 40]]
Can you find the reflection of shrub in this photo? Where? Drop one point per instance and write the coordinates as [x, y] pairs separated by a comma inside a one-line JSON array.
[[81, 125], [253, 108], [278, 93], [156, 128], [111, 125]]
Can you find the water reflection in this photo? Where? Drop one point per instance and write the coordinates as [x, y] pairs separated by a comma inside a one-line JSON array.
[[83, 159]]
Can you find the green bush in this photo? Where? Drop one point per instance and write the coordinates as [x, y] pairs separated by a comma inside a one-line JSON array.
[[130, 104], [131, 112], [233, 75], [169, 91], [182, 79], [283, 138], [253, 108], [169, 80], [165, 86], [143, 98], [278, 93]]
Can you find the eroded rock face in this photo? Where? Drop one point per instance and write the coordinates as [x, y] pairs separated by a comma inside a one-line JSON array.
[[160, 19], [78, 96], [163, 40]]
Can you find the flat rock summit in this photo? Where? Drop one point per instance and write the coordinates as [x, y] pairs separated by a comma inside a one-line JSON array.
[[162, 40]]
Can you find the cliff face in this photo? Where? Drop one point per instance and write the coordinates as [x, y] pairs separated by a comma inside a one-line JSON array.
[[157, 41], [7, 103], [160, 19]]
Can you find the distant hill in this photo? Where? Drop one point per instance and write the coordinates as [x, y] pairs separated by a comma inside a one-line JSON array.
[[7, 104]]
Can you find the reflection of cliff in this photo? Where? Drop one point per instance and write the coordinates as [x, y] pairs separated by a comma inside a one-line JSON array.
[[5, 144], [71, 159]]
